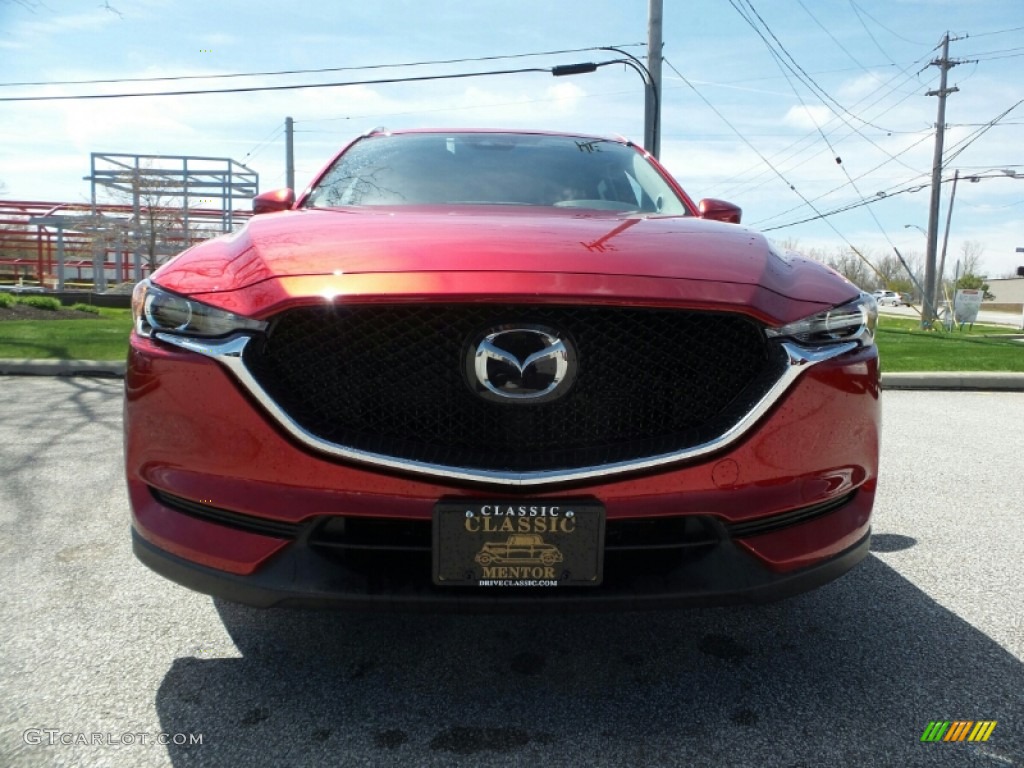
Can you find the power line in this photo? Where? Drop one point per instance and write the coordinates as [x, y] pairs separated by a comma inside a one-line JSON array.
[[798, 71], [314, 71], [801, 74], [732, 127], [832, 149], [833, 37], [810, 135], [998, 50], [776, 170], [841, 186], [968, 140], [812, 85], [995, 32], [1009, 56], [857, 11], [869, 201], [264, 143], [293, 87]]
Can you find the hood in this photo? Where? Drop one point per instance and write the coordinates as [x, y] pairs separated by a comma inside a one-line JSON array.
[[382, 241]]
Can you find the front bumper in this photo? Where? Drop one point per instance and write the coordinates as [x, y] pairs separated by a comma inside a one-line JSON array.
[[191, 433], [299, 578]]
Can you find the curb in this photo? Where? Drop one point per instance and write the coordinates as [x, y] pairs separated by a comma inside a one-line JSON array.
[[988, 381], [985, 381]]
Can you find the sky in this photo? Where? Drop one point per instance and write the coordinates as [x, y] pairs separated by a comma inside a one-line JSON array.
[[831, 151]]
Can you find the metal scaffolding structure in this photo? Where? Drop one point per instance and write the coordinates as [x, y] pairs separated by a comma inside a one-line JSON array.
[[144, 208], [174, 182]]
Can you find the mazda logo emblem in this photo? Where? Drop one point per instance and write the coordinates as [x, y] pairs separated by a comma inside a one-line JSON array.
[[521, 363]]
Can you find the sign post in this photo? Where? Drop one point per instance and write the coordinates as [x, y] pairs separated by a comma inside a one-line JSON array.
[[966, 304]]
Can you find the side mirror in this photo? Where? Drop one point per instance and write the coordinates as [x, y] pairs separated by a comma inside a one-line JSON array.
[[719, 210], [274, 200]]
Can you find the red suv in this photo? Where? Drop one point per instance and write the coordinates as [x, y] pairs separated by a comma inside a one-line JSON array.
[[452, 339]]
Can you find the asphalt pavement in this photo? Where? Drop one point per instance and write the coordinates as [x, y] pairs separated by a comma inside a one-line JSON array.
[[102, 659]]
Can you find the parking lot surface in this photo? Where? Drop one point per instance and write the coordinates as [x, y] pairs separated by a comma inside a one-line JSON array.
[[102, 660]]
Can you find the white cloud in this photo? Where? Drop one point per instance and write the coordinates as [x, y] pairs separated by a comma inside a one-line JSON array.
[[807, 117]]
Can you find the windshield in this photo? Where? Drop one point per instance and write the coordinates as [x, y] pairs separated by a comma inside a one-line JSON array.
[[495, 169]]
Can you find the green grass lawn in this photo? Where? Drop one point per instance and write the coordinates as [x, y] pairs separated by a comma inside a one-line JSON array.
[[102, 338], [904, 347]]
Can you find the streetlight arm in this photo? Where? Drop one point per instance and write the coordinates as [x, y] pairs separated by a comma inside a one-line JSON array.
[[629, 60], [649, 87]]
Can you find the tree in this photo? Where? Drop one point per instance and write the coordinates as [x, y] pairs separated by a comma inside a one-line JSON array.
[[895, 276], [970, 257], [155, 225], [975, 282], [867, 270], [853, 267], [844, 261], [970, 270], [156, 219]]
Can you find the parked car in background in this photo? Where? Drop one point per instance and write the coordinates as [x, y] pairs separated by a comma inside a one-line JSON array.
[[457, 338], [891, 299]]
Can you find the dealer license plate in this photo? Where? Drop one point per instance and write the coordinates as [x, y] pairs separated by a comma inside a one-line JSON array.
[[545, 543]]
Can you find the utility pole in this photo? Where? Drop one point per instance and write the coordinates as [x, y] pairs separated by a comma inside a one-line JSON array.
[[289, 153], [652, 100], [944, 65]]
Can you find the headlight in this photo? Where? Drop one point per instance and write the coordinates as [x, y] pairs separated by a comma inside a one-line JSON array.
[[154, 309], [854, 321]]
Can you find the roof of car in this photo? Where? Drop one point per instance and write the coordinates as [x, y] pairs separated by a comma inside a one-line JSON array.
[[381, 131]]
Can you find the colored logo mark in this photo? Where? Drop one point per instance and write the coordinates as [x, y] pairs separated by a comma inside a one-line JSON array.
[[958, 730]]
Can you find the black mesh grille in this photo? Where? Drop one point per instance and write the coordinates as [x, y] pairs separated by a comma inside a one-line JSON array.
[[392, 380]]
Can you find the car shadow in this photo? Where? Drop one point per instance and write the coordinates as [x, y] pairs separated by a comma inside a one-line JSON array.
[[850, 674]]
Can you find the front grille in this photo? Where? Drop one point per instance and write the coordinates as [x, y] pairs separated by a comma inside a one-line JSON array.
[[391, 380]]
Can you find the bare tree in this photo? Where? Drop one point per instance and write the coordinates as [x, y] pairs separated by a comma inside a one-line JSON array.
[[788, 244], [902, 276], [853, 267], [155, 227], [970, 274], [853, 264], [970, 257]]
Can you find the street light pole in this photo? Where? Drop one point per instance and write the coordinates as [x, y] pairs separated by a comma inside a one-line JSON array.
[[651, 133]]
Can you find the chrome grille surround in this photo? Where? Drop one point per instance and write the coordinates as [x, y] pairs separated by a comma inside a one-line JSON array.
[[230, 352]]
